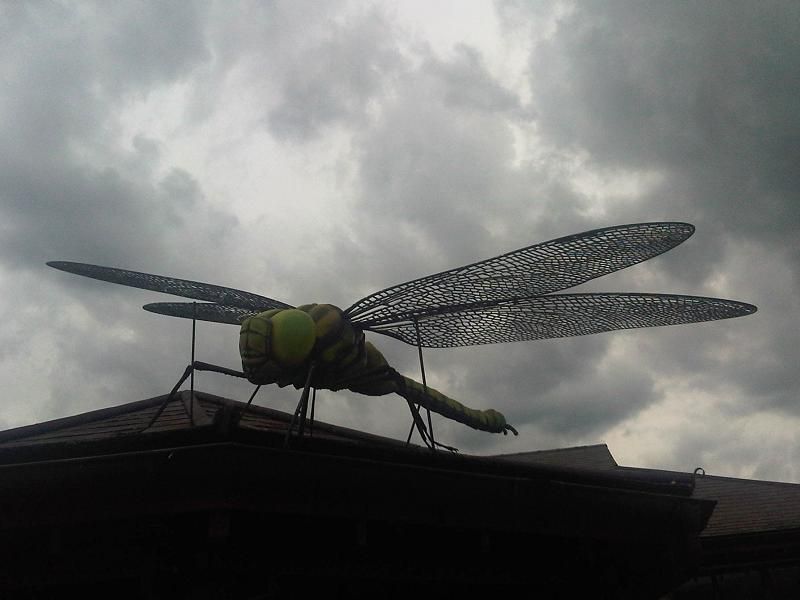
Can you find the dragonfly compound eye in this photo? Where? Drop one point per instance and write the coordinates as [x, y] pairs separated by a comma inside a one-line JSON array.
[[273, 341], [255, 340], [293, 336]]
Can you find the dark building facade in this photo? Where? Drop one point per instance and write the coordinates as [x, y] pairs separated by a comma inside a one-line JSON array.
[[220, 506]]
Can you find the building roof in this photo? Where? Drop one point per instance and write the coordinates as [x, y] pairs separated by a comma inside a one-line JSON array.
[[596, 457], [211, 455], [742, 506], [747, 506], [109, 498], [106, 498], [216, 419], [125, 426]]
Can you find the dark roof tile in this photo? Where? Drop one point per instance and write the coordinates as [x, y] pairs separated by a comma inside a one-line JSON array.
[[748, 506], [596, 456]]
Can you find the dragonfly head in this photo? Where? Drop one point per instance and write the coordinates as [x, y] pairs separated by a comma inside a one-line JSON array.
[[274, 342]]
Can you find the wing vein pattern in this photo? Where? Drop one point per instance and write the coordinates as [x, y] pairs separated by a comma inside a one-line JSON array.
[[203, 311], [170, 285], [532, 271], [560, 315]]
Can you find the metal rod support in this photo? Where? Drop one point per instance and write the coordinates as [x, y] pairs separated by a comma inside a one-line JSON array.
[[191, 383], [313, 403], [424, 384], [301, 407]]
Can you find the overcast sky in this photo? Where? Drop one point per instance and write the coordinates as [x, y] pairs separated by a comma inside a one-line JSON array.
[[319, 151]]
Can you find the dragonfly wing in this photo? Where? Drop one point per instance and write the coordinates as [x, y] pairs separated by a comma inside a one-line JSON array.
[[202, 311], [564, 315], [169, 285], [532, 271]]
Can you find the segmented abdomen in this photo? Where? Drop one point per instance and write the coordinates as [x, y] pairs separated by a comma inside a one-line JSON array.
[[485, 420]]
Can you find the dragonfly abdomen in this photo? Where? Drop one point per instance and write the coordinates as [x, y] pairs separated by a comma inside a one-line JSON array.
[[484, 420]]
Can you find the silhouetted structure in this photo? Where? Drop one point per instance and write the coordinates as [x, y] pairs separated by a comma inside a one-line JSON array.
[[508, 298], [221, 509]]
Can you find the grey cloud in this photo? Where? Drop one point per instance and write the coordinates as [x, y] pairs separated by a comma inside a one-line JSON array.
[[706, 91], [89, 215], [69, 71], [736, 452], [69, 191], [558, 385], [334, 80], [67, 68], [468, 84], [142, 44], [432, 174]]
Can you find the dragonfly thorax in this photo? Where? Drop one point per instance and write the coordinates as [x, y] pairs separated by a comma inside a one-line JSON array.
[[277, 345]]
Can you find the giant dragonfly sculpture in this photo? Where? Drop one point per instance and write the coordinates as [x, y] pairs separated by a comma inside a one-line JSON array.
[[508, 298]]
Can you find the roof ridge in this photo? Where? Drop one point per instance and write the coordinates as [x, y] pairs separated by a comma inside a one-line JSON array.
[[751, 481], [80, 419], [706, 475], [565, 449]]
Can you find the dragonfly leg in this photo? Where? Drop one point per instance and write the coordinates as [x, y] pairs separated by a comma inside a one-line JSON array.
[[313, 403], [202, 366], [304, 415], [302, 407], [190, 369], [424, 384], [419, 423], [169, 398], [250, 401], [416, 421]]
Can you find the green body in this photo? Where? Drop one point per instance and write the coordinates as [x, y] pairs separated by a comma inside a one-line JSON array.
[[278, 346]]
